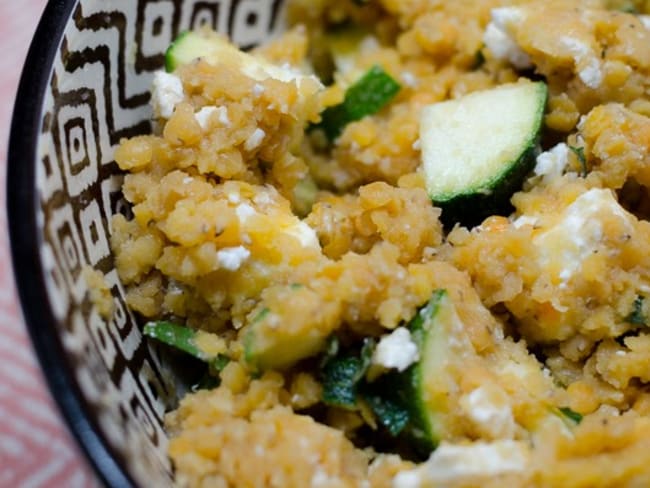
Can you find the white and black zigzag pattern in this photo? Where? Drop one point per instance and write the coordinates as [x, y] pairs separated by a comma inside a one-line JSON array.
[[98, 94]]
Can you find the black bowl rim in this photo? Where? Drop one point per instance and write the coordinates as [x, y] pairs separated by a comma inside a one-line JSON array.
[[25, 238]]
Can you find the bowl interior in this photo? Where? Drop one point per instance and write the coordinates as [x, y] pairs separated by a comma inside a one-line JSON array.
[[85, 87]]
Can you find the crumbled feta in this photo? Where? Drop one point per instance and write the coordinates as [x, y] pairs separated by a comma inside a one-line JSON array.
[[591, 72], [552, 163], [579, 233], [262, 199], [488, 408], [409, 79], [305, 234], [417, 145], [498, 40], [203, 116], [166, 93], [524, 220], [645, 20], [254, 140], [244, 211], [234, 197], [258, 90], [231, 258], [456, 463], [321, 479], [396, 350], [187, 180]]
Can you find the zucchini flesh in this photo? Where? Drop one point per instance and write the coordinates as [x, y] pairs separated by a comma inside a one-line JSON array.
[[416, 402], [192, 45], [477, 150]]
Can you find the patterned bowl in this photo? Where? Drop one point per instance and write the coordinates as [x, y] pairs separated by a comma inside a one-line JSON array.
[[84, 87]]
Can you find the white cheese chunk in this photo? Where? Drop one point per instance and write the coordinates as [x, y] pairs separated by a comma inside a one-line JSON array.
[[524, 220], [305, 234], [579, 232], [203, 116], [396, 350], [231, 258], [552, 163], [588, 64], [254, 140], [489, 410], [498, 40], [244, 211], [166, 93], [457, 463]]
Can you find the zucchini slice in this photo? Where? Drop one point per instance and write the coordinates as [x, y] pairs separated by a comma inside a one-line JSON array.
[[442, 342], [192, 45], [477, 150], [425, 391]]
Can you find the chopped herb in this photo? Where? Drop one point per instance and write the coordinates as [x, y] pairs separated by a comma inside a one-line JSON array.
[[571, 415], [218, 363], [367, 350], [366, 97], [296, 286], [580, 154], [637, 317], [342, 375], [340, 379], [392, 415]]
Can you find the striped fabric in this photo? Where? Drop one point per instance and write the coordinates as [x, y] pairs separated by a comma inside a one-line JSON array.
[[35, 449]]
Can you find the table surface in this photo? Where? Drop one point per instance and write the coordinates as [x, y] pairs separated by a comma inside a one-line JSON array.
[[35, 447]]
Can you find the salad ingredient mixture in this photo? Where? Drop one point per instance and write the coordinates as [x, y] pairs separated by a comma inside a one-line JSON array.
[[406, 244]]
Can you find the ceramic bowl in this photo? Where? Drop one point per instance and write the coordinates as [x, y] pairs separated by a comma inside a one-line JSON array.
[[84, 87]]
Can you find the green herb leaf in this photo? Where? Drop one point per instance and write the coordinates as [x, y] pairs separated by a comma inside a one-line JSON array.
[[580, 154], [342, 375], [340, 379], [571, 415], [637, 317], [391, 414], [366, 97]]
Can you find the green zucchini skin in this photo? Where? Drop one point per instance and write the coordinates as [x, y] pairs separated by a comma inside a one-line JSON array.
[[471, 208], [506, 162], [402, 393]]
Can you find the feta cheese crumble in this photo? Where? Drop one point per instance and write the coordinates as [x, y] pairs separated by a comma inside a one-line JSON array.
[[590, 71], [254, 140], [488, 408], [552, 163], [166, 93], [454, 463], [396, 350], [579, 232], [244, 211], [500, 42], [305, 234], [231, 258]]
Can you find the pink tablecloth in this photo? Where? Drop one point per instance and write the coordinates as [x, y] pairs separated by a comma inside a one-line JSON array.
[[35, 448]]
